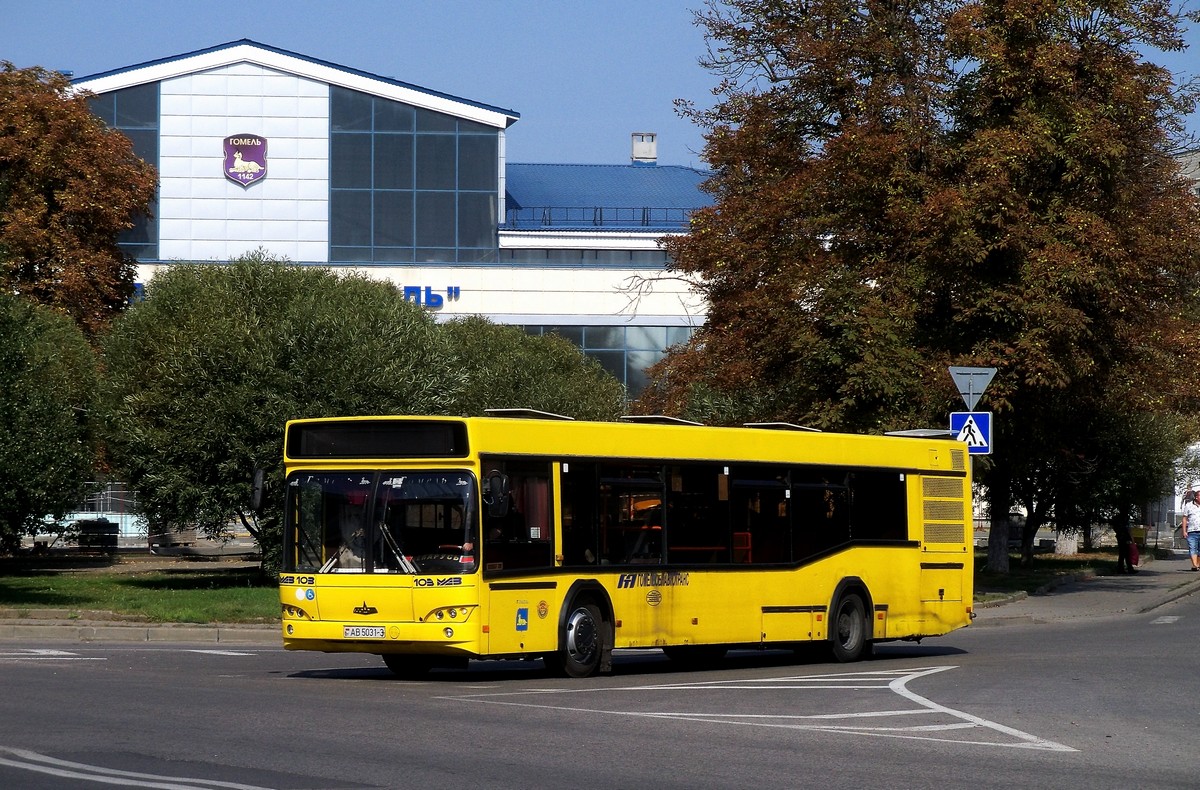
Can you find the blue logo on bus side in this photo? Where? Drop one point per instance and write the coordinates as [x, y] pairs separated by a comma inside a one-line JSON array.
[[523, 619]]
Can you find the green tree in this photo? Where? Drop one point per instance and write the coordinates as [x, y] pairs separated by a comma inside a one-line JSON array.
[[47, 382], [203, 374], [68, 186], [507, 368], [1125, 462]]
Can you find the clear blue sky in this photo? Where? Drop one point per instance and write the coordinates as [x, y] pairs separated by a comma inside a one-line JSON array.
[[583, 74]]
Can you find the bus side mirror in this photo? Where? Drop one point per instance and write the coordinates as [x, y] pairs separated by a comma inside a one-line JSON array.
[[257, 484], [497, 496]]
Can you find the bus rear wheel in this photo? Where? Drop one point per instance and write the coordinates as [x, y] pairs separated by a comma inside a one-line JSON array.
[[582, 643], [848, 629]]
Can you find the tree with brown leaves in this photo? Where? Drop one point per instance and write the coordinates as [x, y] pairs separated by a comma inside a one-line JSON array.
[[904, 186], [68, 187]]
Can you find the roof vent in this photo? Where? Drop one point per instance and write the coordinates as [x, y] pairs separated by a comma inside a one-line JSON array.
[[923, 433], [645, 148], [525, 414], [780, 426], [656, 419]]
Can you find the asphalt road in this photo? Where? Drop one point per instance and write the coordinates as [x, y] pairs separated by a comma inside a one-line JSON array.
[[1102, 703]]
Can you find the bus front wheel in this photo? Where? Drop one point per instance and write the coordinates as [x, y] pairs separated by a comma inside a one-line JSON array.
[[848, 629], [582, 643]]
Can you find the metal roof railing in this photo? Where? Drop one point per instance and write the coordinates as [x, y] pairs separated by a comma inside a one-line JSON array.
[[533, 217]]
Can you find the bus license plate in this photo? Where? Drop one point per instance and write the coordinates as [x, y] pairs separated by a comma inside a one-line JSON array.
[[362, 632]]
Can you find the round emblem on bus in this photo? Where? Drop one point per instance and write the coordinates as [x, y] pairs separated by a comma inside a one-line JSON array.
[[543, 609], [654, 597]]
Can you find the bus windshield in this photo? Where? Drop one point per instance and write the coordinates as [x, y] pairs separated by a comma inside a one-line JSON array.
[[381, 522]]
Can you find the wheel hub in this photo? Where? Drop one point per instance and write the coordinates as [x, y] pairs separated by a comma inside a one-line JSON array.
[[581, 636]]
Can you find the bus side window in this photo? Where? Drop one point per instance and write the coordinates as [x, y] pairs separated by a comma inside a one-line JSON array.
[[878, 506], [630, 499], [760, 515], [822, 510], [698, 510]]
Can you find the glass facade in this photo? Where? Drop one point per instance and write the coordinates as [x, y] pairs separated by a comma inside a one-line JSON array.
[[624, 351], [409, 185], [134, 112]]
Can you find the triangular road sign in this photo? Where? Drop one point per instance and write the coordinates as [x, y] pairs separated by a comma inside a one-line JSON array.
[[971, 383]]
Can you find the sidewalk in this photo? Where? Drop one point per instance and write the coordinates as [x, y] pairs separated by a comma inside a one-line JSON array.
[[1158, 582]]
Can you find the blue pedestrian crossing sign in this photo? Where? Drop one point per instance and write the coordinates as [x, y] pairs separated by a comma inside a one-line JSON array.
[[974, 428]]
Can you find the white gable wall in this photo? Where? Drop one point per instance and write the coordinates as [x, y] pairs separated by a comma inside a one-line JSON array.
[[205, 216]]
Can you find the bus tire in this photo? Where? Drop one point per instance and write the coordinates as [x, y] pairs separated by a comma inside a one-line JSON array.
[[408, 667], [848, 629], [581, 643]]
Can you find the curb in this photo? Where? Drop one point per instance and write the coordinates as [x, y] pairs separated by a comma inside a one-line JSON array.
[[63, 625], [1183, 590], [125, 633]]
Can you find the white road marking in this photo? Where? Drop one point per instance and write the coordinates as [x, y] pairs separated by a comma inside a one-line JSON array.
[[893, 681], [1164, 620], [39, 763], [36, 654], [219, 652]]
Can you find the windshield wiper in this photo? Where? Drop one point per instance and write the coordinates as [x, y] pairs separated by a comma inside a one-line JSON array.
[[405, 563]]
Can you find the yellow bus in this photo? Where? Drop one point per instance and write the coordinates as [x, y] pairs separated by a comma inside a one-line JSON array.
[[434, 540]]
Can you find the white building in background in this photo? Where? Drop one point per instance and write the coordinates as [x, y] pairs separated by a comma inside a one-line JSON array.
[[257, 147]]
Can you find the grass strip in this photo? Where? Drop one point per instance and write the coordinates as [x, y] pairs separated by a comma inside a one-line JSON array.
[[213, 596]]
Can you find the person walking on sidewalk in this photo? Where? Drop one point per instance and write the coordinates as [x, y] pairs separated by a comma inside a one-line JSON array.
[[1191, 528], [1126, 563]]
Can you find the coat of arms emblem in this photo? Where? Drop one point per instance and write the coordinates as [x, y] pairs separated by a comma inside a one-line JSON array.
[[245, 158]]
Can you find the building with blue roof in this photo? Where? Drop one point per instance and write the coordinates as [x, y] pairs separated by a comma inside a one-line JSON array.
[[630, 197], [259, 147]]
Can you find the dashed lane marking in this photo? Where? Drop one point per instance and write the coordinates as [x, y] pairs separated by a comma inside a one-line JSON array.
[[938, 723]]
